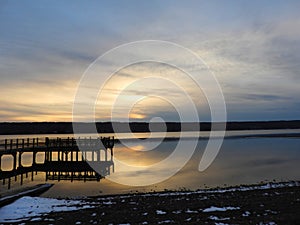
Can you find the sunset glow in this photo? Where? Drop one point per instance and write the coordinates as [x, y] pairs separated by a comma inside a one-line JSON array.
[[252, 50]]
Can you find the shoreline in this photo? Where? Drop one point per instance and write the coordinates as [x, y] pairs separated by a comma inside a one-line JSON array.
[[279, 135], [272, 203], [33, 191]]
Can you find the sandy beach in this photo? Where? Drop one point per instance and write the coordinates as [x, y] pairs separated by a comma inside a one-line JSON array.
[[272, 203]]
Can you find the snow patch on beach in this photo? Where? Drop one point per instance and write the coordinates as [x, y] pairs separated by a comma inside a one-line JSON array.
[[218, 209], [26, 208], [165, 221], [108, 203], [160, 212], [177, 212], [247, 213], [269, 223], [191, 211], [221, 224], [218, 218]]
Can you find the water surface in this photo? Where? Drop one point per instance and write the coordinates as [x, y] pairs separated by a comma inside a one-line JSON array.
[[240, 161]]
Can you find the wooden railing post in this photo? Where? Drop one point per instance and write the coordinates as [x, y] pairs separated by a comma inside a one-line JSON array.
[[20, 159], [77, 158], [15, 160], [34, 158], [47, 142], [58, 155]]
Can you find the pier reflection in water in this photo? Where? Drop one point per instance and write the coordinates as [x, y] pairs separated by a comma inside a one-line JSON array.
[[62, 159]]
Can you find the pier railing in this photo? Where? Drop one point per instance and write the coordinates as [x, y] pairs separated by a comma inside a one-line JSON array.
[[13, 144], [32, 143]]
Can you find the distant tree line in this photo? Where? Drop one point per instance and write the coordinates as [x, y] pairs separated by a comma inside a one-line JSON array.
[[108, 127]]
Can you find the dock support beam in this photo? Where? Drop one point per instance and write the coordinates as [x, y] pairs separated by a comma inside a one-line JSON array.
[[20, 159]]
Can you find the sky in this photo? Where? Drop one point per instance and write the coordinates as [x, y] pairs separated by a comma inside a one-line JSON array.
[[251, 47]]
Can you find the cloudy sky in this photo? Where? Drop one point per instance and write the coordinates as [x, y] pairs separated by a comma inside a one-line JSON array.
[[252, 48]]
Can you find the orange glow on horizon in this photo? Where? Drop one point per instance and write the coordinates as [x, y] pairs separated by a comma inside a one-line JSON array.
[[137, 116]]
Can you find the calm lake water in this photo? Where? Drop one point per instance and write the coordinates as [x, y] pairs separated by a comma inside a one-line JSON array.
[[240, 161]]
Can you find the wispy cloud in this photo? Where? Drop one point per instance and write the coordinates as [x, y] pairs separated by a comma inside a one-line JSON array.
[[252, 48]]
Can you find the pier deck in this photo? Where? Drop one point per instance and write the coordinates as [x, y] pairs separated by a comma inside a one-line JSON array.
[[63, 159]]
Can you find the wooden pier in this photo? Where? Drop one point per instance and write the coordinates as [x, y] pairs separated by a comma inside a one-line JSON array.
[[63, 159]]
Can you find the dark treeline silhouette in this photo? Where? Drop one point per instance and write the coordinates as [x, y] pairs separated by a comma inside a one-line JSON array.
[[109, 127]]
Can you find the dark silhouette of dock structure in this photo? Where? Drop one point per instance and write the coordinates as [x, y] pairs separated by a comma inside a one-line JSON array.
[[63, 159]]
